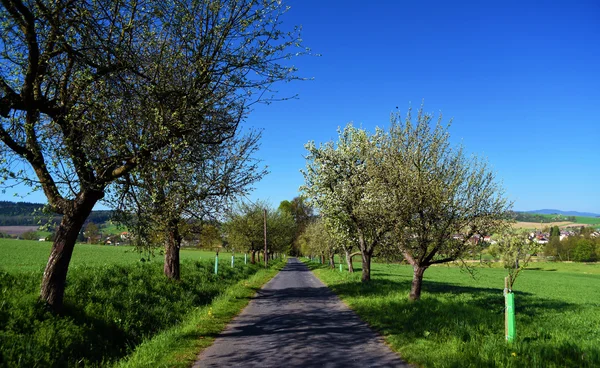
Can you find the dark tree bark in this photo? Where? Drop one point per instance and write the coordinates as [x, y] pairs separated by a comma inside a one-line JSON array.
[[417, 282], [366, 266], [331, 260], [172, 246], [253, 257], [55, 275], [366, 253]]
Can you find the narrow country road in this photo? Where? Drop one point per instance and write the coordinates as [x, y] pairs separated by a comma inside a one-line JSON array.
[[295, 321]]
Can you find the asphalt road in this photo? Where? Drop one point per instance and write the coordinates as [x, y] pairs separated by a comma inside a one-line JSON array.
[[296, 321]]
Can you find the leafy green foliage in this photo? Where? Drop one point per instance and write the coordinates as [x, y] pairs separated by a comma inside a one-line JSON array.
[[406, 190], [316, 240], [302, 213], [210, 237], [585, 251], [91, 232], [434, 197], [30, 235], [338, 183], [515, 249], [244, 228], [582, 247], [93, 91]]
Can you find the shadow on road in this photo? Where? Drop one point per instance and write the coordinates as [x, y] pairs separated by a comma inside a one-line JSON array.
[[303, 325]]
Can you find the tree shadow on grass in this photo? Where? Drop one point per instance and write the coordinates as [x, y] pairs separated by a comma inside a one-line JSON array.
[[464, 315], [540, 269], [108, 311]]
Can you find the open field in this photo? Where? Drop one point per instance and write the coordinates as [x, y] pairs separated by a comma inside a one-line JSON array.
[[114, 302], [595, 221], [29, 255], [17, 230], [459, 322], [579, 221], [537, 225]]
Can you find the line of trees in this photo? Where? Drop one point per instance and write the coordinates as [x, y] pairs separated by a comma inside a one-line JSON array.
[[244, 229], [582, 247], [534, 217], [404, 191], [97, 95], [31, 214]]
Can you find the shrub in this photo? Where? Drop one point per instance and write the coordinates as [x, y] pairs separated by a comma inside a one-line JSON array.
[[584, 251], [29, 235]]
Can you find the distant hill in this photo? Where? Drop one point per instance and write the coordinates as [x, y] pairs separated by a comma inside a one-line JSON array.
[[29, 214], [565, 213]]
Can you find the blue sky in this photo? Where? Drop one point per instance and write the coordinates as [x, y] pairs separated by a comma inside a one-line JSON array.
[[520, 79]]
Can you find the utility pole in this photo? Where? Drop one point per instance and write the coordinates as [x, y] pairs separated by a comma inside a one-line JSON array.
[[265, 223]]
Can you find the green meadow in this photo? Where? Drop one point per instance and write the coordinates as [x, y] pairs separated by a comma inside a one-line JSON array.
[[593, 221], [119, 307], [459, 321], [30, 255]]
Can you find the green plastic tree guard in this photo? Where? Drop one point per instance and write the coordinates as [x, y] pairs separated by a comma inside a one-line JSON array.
[[216, 264], [232, 261], [511, 330]]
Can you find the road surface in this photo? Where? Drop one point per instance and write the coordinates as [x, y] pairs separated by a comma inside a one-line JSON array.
[[296, 321]]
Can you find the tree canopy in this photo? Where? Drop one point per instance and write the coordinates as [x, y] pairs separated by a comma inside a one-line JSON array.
[[338, 183], [90, 90], [244, 228], [405, 190]]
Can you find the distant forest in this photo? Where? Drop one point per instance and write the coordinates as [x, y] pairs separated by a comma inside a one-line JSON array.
[[535, 217], [30, 214]]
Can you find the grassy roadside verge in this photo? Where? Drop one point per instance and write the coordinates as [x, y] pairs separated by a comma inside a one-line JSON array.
[[459, 322], [113, 302], [179, 346]]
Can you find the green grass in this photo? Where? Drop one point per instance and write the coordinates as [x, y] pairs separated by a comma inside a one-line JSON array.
[[30, 255], [588, 220], [578, 219], [109, 228], [114, 303], [459, 322], [179, 346]]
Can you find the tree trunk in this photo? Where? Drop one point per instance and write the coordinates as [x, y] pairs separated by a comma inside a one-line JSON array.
[[332, 260], [172, 246], [366, 266], [253, 257], [349, 261], [52, 289], [417, 282]]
